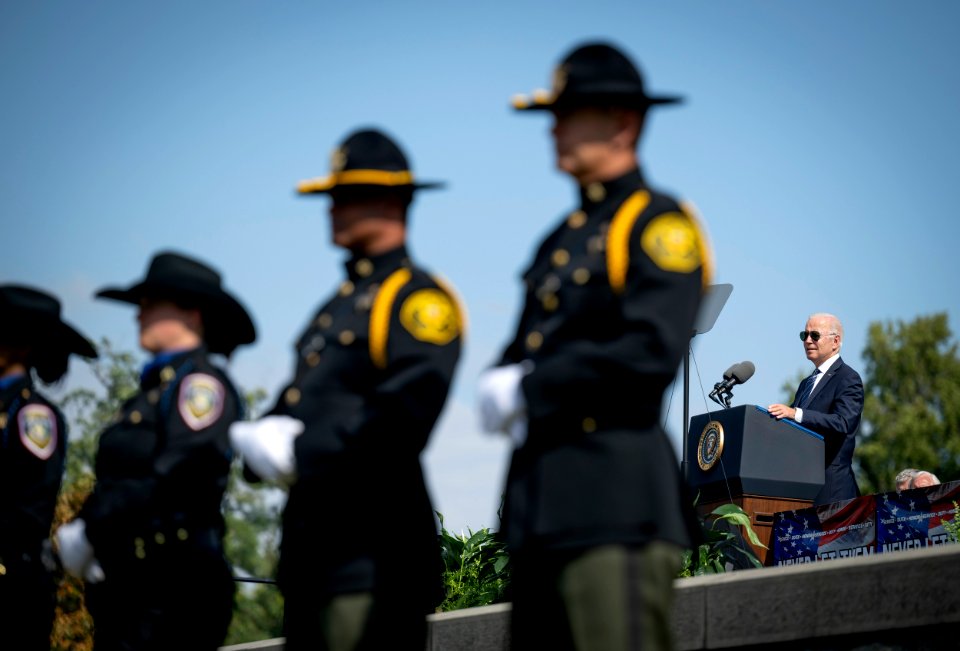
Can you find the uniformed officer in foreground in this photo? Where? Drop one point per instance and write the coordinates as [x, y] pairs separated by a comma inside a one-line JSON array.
[[594, 514], [33, 447], [359, 560], [148, 540]]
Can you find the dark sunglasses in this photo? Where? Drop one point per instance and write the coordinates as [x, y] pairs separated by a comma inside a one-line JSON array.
[[813, 334]]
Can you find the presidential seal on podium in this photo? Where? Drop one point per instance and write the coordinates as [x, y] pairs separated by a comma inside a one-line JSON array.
[[710, 446]]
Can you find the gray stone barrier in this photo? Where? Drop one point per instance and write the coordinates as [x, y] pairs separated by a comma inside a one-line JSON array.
[[902, 601]]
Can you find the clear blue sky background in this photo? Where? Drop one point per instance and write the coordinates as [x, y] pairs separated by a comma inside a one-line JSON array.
[[819, 142]]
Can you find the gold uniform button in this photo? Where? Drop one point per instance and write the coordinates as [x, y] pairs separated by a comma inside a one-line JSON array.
[[3, 569], [589, 425], [577, 219], [534, 340], [560, 257], [135, 417], [596, 192], [3, 421], [581, 276], [347, 337], [26, 394], [550, 302], [139, 551], [292, 396], [346, 288], [159, 538], [313, 359], [182, 534], [167, 373], [153, 396], [324, 320], [364, 267]]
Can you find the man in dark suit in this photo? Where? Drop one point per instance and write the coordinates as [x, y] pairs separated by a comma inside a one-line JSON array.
[[594, 512], [829, 402]]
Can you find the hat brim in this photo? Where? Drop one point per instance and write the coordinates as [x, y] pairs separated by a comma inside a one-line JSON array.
[[227, 324], [49, 334], [76, 343], [548, 102], [379, 179]]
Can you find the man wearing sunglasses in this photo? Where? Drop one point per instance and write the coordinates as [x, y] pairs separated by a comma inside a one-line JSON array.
[[829, 402]]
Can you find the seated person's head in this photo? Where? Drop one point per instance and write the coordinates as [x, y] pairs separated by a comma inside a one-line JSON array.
[[924, 479]]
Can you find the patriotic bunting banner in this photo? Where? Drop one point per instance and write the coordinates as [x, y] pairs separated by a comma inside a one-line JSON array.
[[866, 525]]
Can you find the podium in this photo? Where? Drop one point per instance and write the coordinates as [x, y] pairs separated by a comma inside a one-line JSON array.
[[745, 456]]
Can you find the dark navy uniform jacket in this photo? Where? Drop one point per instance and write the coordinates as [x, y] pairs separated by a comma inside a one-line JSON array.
[[373, 370], [33, 446], [611, 298], [834, 412], [162, 466]]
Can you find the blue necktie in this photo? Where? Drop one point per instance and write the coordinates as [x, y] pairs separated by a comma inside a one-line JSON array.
[[808, 388]]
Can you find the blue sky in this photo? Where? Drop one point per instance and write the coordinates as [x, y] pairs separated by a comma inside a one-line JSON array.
[[818, 141]]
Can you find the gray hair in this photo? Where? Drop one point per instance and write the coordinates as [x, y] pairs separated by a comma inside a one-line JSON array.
[[905, 477], [835, 326]]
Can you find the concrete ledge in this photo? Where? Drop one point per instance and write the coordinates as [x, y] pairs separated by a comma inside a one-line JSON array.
[[911, 597], [914, 589], [472, 629]]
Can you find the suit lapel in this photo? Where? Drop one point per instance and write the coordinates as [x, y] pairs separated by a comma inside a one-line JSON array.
[[827, 377]]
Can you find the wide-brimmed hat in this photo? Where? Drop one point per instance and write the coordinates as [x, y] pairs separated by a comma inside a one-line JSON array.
[[367, 160], [594, 74], [32, 317], [190, 283]]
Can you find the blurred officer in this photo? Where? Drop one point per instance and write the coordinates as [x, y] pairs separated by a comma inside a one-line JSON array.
[[359, 561], [33, 447], [595, 514], [148, 540]]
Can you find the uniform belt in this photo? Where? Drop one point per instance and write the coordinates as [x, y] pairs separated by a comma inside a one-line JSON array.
[[584, 422]]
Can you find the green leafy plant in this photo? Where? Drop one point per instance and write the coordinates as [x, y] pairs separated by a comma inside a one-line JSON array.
[[952, 527], [476, 568], [723, 544]]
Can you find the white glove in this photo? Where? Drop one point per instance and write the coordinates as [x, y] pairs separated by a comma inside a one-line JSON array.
[[76, 552], [267, 446], [500, 398]]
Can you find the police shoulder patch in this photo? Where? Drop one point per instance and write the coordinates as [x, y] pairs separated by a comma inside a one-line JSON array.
[[200, 401], [430, 315], [672, 242], [38, 430]]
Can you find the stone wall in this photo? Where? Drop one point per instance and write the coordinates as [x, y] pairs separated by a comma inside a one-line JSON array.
[[907, 601]]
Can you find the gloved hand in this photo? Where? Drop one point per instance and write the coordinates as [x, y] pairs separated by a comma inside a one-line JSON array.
[[76, 552], [501, 403], [267, 446]]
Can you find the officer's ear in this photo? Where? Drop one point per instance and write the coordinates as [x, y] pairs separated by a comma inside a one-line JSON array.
[[629, 125]]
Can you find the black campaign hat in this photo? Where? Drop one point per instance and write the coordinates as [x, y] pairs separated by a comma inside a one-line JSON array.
[[30, 316], [594, 74], [367, 160], [189, 282]]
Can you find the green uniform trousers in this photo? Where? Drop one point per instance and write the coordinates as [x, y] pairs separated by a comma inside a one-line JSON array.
[[605, 598]]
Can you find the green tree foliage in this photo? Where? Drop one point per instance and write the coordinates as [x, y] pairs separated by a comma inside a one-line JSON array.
[[911, 415], [252, 513]]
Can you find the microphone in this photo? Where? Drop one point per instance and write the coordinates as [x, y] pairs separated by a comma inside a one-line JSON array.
[[736, 374]]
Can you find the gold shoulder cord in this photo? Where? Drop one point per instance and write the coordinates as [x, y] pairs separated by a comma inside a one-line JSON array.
[[618, 238], [380, 315]]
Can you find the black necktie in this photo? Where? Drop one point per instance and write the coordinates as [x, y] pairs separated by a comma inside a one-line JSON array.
[[807, 388]]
